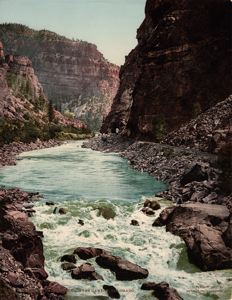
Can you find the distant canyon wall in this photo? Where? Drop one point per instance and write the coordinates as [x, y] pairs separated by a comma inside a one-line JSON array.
[[73, 74], [180, 67]]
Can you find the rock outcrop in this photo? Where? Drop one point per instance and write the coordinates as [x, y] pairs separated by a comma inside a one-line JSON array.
[[176, 70], [74, 74], [123, 269], [161, 291], [25, 112], [22, 273], [204, 228]]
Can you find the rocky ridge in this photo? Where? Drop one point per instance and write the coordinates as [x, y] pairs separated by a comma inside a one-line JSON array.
[[74, 74], [22, 273], [176, 70]]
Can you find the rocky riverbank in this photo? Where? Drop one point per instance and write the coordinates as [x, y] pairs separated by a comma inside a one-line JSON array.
[[192, 176], [22, 273], [9, 152]]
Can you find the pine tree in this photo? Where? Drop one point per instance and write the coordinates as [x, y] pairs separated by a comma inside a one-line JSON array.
[[50, 111]]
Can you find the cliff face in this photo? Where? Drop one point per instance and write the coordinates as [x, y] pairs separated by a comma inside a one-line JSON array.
[[72, 73], [25, 113], [180, 67]]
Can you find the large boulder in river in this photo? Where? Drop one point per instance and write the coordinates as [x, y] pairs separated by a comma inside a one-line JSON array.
[[123, 269], [69, 258], [162, 290], [202, 227], [89, 252], [86, 271], [111, 291]]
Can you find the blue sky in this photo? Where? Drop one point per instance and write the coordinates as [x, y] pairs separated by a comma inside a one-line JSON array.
[[110, 24]]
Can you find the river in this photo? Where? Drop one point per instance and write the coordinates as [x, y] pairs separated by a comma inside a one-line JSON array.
[[87, 183]]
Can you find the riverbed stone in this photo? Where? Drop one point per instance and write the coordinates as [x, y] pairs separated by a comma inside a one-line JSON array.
[[67, 266], [86, 271], [153, 204], [161, 291], [201, 226], [123, 269], [112, 291], [89, 252], [134, 223], [56, 288], [106, 212], [69, 258]]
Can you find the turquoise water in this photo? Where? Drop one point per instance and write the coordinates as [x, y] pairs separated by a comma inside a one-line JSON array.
[[87, 184]]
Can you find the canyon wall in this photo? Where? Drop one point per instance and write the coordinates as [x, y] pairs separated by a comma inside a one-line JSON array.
[[74, 74], [180, 68], [25, 112]]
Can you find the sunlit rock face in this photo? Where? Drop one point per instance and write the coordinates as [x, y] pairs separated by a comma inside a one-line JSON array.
[[74, 74], [21, 94], [180, 67]]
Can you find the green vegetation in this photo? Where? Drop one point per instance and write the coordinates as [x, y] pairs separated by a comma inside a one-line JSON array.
[[21, 86], [69, 115], [41, 35], [31, 130], [51, 114]]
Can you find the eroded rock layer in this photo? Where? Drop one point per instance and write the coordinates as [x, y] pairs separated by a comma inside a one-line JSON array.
[[72, 73], [180, 67], [25, 112]]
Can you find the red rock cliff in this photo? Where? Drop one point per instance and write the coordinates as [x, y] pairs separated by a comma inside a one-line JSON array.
[[72, 73], [180, 67]]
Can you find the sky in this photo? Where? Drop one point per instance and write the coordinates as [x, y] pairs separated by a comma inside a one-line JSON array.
[[110, 24]]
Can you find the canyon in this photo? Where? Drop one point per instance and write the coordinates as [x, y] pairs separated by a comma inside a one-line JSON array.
[[171, 118], [74, 74]]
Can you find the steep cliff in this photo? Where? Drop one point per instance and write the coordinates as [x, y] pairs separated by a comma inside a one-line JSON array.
[[180, 67], [25, 113], [74, 74]]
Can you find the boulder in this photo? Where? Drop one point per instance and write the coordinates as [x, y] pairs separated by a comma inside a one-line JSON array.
[[69, 258], [203, 227], [112, 291], [162, 291], [81, 222], [153, 204], [56, 288], [147, 286], [50, 203], [67, 266], [89, 252], [123, 269], [106, 212], [85, 271], [196, 173], [134, 223]]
